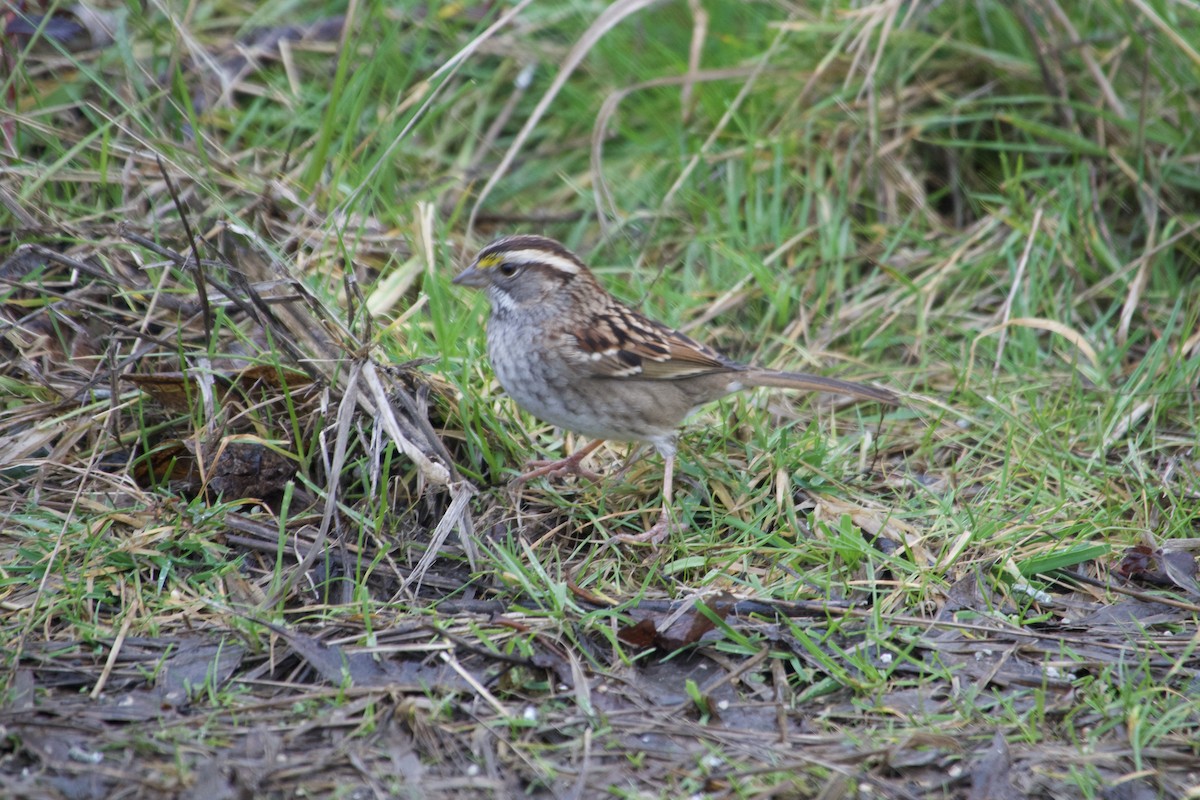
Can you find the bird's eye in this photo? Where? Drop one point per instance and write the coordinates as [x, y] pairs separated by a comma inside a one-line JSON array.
[[507, 270]]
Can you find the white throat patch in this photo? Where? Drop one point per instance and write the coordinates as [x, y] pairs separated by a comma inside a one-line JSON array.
[[501, 300]]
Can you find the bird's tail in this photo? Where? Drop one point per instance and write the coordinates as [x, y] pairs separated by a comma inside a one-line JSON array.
[[818, 383]]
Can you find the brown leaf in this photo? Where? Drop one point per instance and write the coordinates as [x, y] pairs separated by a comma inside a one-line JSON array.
[[170, 390], [1159, 567], [246, 468], [681, 628], [642, 634]]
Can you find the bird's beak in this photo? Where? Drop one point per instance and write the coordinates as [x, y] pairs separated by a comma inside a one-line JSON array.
[[471, 276]]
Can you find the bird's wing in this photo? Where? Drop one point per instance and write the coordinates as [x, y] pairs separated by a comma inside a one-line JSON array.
[[621, 343]]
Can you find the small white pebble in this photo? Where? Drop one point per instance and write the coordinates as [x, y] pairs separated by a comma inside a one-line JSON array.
[[84, 756], [524, 78]]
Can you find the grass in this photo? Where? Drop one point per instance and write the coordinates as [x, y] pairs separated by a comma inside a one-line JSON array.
[[991, 208]]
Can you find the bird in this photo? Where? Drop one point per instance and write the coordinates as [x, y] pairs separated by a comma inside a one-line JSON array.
[[574, 356]]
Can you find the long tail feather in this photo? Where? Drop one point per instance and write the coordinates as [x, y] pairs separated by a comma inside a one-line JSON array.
[[818, 383]]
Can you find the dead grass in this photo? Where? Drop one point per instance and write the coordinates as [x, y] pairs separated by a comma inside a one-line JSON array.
[[256, 531]]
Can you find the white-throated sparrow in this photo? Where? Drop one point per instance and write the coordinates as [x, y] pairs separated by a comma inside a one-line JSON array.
[[572, 355]]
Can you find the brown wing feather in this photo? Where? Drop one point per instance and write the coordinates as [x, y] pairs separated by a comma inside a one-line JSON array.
[[621, 343]]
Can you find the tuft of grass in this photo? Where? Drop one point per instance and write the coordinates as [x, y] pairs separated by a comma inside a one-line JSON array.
[[989, 207]]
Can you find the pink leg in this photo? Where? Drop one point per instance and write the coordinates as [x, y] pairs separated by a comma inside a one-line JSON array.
[[661, 529], [561, 466]]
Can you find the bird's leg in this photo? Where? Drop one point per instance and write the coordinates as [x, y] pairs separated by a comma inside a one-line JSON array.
[[562, 466], [661, 529]]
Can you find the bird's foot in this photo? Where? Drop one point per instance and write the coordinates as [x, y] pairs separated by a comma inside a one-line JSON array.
[[656, 534], [561, 466]]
